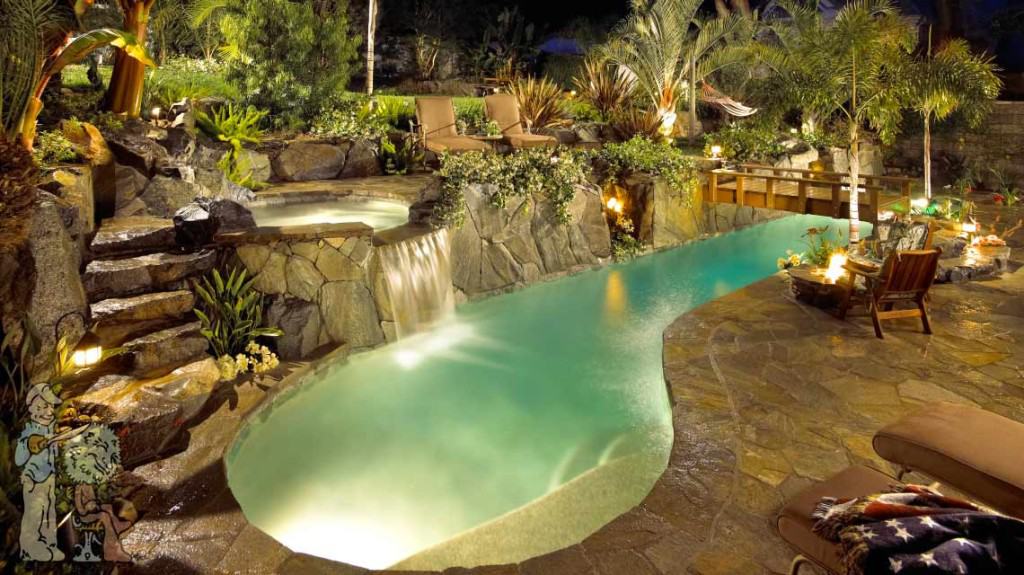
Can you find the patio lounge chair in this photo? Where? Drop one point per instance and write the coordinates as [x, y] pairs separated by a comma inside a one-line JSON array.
[[435, 116], [969, 449], [503, 109], [905, 277]]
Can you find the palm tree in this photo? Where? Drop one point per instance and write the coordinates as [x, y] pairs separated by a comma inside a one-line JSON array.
[[851, 69], [371, 36], [667, 47], [950, 80], [124, 95], [38, 42]]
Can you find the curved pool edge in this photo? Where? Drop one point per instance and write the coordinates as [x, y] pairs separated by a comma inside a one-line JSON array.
[[667, 523]]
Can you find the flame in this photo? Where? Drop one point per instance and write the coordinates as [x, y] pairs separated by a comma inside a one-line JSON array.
[[835, 269]]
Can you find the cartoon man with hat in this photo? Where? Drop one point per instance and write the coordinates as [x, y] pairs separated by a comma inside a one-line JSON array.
[[36, 454]]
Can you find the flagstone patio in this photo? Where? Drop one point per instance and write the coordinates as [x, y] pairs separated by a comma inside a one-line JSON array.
[[769, 396]]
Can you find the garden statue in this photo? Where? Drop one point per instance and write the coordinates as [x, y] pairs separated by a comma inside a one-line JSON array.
[[35, 454], [91, 460]]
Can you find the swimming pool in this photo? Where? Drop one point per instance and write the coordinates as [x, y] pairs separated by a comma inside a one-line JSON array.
[[377, 213], [520, 427]]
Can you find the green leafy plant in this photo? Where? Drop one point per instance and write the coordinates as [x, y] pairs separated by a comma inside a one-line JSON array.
[[180, 78], [625, 245], [400, 160], [469, 113], [552, 174], [605, 87], [633, 122], [541, 103], [231, 312], [1007, 193], [351, 117], [640, 154], [396, 111], [236, 127], [52, 147], [492, 128], [820, 246], [746, 142]]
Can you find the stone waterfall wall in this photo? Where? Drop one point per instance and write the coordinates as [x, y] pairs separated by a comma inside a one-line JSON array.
[[321, 289], [498, 249]]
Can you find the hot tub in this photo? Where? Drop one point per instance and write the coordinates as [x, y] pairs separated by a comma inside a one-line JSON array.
[[377, 213]]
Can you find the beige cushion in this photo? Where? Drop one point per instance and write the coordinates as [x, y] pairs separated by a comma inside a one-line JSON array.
[[531, 141], [796, 525], [436, 116], [970, 449], [455, 144], [504, 109]]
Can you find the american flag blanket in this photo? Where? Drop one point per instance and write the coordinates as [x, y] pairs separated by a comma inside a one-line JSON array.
[[918, 531]]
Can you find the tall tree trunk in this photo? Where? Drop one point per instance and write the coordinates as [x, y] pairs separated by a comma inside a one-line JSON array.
[[722, 8], [371, 33], [742, 6], [124, 95], [928, 155], [693, 101], [854, 186]]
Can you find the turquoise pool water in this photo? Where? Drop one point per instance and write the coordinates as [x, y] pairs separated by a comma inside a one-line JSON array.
[[519, 427]]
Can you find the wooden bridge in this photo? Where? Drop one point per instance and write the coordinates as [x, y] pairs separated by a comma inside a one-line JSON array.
[[806, 191]]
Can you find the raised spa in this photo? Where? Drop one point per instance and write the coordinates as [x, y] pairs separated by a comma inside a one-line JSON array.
[[519, 427], [377, 213]]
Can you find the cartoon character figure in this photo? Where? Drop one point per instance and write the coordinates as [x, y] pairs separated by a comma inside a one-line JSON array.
[[35, 454], [92, 459]]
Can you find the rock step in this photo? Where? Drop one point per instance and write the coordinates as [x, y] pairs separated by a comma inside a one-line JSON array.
[[119, 278], [133, 235], [158, 353], [120, 319]]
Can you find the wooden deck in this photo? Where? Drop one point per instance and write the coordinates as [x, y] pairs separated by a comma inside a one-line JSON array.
[[806, 191]]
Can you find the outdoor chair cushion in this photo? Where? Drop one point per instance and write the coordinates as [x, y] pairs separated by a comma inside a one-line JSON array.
[[901, 237], [531, 141], [970, 449], [504, 109], [436, 116], [795, 523], [455, 144]]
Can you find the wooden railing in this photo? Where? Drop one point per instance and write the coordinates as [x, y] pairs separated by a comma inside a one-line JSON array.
[[805, 191]]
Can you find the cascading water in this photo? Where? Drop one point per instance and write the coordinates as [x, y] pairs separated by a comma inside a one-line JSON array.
[[419, 281]]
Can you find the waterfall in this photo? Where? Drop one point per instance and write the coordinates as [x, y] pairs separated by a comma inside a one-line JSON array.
[[418, 275]]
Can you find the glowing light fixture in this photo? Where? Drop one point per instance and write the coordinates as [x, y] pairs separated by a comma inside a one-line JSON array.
[[970, 227], [668, 123], [716, 152], [88, 352], [793, 130], [919, 203], [835, 267], [614, 205], [155, 113]]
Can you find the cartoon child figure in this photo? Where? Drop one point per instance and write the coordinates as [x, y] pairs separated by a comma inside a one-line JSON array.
[[36, 454]]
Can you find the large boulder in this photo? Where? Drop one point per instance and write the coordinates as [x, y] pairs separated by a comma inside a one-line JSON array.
[[151, 415], [350, 315], [198, 222], [136, 146], [129, 184], [361, 161], [74, 185], [300, 322], [58, 294], [163, 195], [303, 161]]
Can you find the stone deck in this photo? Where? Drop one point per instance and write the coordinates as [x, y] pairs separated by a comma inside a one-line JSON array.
[[769, 396]]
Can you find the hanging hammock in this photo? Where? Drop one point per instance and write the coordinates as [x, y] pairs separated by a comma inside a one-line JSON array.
[[732, 107]]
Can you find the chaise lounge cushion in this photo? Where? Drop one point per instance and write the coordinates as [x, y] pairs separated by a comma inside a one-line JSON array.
[[531, 141], [455, 144], [975, 451], [795, 523], [504, 109]]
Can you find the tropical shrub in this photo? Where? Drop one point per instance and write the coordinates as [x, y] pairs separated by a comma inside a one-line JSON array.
[[746, 142], [180, 78], [635, 122], [604, 87], [400, 159], [641, 154], [396, 111], [236, 127], [541, 103], [625, 245], [231, 312], [555, 174], [290, 57], [351, 117]]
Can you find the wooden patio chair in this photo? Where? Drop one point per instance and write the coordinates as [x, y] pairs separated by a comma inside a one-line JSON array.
[[504, 109], [905, 278], [435, 116]]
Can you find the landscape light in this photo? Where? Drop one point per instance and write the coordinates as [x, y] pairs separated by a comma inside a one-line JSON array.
[[716, 152], [88, 352]]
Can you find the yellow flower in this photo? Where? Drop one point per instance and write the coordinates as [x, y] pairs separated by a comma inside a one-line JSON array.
[[228, 368], [794, 260], [781, 262]]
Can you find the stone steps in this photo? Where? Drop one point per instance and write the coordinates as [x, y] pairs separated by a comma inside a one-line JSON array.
[[160, 352], [133, 235], [121, 319], [120, 278]]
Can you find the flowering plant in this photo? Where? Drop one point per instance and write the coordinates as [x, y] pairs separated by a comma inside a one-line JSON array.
[[791, 260], [257, 358]]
